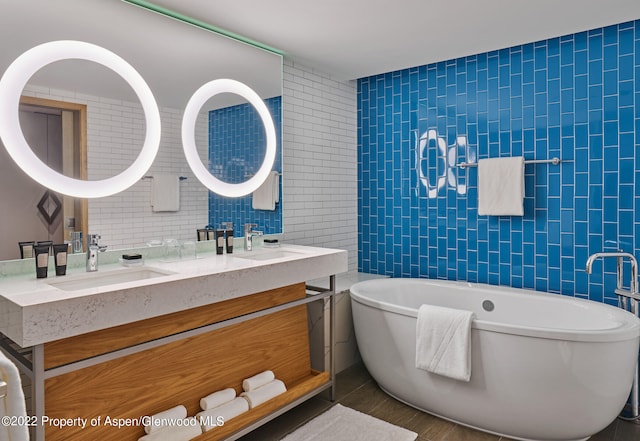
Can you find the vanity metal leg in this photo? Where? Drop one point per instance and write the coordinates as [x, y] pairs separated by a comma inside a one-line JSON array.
[[38, 390], [332, 335]]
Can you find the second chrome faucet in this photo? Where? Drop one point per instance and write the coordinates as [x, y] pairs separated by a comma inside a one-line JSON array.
[[92, 252]]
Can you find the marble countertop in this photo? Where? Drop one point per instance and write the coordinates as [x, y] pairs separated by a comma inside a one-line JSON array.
[[35, 311]]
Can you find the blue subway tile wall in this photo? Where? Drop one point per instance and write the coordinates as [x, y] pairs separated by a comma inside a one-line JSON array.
[[236, 151], [575, 97]]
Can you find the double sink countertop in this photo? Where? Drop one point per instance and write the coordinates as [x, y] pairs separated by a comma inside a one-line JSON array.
[[35, 311]]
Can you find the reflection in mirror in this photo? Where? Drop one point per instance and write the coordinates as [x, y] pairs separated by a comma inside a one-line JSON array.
[[236, 149], [56, 131], [175, 59]]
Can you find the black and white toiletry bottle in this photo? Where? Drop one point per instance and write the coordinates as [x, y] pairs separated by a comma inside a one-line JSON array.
[[219, 241], [229, 231]]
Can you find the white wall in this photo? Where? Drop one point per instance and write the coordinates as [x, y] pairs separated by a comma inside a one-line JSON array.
[[320, 160]]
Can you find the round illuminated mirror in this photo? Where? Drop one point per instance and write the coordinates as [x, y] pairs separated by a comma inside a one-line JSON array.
[[13, 83], [190, 120]]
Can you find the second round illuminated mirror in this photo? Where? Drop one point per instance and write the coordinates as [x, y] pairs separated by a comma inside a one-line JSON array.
[[266, 149]]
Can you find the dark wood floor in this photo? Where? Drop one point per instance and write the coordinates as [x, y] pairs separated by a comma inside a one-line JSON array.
[[356, 389]]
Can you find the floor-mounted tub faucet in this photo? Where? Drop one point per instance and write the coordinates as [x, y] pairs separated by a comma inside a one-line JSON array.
[[633, 284], [634, 297]]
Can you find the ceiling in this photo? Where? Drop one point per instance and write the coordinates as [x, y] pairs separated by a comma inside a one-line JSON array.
[[356, 38], [348, 39], [173, 58]]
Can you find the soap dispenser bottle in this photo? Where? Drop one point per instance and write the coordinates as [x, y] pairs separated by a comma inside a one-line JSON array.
[[92, 252], [219, 241], [228, 226]]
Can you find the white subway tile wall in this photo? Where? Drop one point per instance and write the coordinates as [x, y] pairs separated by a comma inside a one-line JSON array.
[[319, 164]]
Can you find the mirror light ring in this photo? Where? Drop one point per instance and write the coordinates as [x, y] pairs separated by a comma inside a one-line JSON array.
[[13, 83], [191, 112]]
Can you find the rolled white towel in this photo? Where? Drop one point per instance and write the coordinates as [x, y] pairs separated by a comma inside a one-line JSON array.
[[181, 430], [217, 398], [264, 393], [219, 415], [165, 418], [258, 380]]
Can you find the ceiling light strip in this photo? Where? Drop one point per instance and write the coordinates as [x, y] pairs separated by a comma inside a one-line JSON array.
[[192, 21]]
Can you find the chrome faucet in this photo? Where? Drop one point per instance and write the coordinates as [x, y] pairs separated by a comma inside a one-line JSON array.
[[92, 252], [249, 233]]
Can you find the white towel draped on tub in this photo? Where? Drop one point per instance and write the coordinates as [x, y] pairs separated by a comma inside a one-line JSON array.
[[501, 186], [13, 404], [443, 341], [165, 193]]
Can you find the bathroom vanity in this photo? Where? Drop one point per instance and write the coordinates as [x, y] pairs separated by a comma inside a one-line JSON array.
[[113, 346]]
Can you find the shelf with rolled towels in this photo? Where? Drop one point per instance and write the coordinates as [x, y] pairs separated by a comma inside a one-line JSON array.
[[222, 406], [243, 422], [261, 394]]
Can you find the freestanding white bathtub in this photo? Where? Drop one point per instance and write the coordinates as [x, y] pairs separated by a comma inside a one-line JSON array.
[[543, 366]]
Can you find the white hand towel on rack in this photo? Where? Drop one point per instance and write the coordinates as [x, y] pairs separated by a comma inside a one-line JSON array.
[[266, 196], [443, 341], [165, 193], [13, 404], [501, 186]]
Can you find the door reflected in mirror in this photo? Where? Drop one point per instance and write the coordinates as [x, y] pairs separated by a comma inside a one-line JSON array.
[[55, 131]]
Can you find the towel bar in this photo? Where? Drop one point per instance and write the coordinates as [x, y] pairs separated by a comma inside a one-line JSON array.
[[554, 161], [3, 389], [250, 175], [182, 178]]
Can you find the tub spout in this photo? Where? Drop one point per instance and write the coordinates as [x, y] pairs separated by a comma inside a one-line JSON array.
[[633, 285]]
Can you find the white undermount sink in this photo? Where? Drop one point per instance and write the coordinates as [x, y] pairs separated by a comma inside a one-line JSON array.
[[98, 278], [269, 254]]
